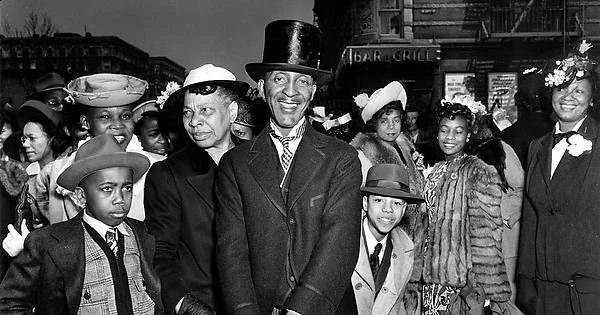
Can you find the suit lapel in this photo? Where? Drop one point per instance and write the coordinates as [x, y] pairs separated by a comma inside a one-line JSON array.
[[363, 267], [69, 257], [544, 159], [262, 162], [307, 162], [203, 179]]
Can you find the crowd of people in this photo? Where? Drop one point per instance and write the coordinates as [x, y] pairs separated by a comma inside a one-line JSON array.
[[216, 199]]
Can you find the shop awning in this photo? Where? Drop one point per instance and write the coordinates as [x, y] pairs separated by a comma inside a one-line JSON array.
[[389, 54]]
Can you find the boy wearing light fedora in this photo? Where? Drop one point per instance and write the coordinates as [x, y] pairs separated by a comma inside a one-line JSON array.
[[386, 252], [106, 100], [100, 261]]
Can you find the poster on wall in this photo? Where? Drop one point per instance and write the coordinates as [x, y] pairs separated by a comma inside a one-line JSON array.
[[459, 84], [502, 87]]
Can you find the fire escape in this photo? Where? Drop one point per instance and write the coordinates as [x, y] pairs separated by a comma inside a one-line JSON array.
[[526, 20]]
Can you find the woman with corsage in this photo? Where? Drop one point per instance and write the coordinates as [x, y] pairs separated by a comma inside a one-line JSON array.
[[559, 250], [463, 264], [382, 142]]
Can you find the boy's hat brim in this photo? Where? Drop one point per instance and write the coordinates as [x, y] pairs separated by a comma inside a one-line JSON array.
[[392, 192], [100, 153]]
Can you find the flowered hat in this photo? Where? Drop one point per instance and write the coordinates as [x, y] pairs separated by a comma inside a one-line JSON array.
[[148, 106], [576, 66]]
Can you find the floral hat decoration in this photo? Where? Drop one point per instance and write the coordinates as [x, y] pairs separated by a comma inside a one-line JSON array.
[[171, 88], [577, 66], [476, 107]]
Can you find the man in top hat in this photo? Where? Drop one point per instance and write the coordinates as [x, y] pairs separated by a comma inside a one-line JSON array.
[[50, 88], [287, 227], [386, 255], [106, 102], [99, 262], [180, 199]]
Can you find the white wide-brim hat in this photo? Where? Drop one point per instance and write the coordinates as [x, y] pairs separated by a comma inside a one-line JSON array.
[[394, 91], [107, 89], [148, 106], [207, 74]]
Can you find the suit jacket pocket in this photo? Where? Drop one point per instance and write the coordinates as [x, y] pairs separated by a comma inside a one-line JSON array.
[[316, 200], [94, 298], [141, 301]]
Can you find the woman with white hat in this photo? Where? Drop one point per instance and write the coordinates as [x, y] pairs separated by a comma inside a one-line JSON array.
[[381, 142]]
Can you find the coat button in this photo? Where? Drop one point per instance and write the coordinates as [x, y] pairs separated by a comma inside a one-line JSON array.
[[394, 256], [292, 279], [384, 290], [292, 221], [358, 286]]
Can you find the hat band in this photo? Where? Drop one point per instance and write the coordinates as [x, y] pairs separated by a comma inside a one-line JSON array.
[[382, 183]]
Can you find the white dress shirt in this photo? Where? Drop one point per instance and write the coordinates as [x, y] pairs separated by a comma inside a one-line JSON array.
[[293, 144], [100, 227], [559, 149], [371, 241]]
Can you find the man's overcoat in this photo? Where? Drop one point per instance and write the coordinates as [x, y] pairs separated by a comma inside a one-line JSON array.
[[297, 252]]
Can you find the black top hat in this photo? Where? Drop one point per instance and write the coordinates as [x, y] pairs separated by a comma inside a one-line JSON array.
[[390, 180], [291, 46]]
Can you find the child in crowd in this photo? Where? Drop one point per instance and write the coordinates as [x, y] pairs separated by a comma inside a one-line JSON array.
[[386, 254], [98, 262]]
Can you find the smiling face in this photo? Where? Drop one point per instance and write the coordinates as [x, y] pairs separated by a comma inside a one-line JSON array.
[[288, 95], [107, 194], [207, 119], [452, 136], [383, 213], [36, 143], [389, 125], [571, 102], [151, 137], [115, 121]]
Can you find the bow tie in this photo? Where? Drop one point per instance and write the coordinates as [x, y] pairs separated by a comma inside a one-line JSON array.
[[559, 136]]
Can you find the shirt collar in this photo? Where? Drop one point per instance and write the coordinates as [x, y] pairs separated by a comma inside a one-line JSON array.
[[370, 239], [292, 133], [576, 128], [100, 227]]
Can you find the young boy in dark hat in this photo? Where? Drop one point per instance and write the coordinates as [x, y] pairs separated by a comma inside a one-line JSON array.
[[100, 261], [386, 252]]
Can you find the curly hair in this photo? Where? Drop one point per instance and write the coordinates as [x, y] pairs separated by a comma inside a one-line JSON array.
[[453, 110], [371, 125]]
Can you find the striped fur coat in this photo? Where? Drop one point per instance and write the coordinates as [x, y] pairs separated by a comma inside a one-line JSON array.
[[465, 230]]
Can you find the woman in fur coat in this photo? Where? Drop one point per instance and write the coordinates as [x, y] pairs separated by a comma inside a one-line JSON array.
[[463, 264], [383, 142]]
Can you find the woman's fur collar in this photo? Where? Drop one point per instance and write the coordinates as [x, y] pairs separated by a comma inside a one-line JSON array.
[[377, 150], [13, 177]]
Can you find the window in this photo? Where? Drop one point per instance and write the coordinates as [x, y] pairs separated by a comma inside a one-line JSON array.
[[390, 17]]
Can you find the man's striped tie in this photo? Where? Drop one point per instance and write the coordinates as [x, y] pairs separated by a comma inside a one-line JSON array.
[[287, 156], [111, 239]]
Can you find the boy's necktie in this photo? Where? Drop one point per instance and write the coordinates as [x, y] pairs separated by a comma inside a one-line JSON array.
[[374, 259], [111, 239]]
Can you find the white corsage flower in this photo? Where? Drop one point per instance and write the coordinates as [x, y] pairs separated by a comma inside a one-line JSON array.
[[578, 145], [427, 171], [361, 100], [584, 46], [418, 159], [171, 88], [476, 107]]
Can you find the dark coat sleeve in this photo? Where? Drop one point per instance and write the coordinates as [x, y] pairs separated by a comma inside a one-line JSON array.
[[327, 275], [233, 260], [526, 261], [163, 218], [19, 286]]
